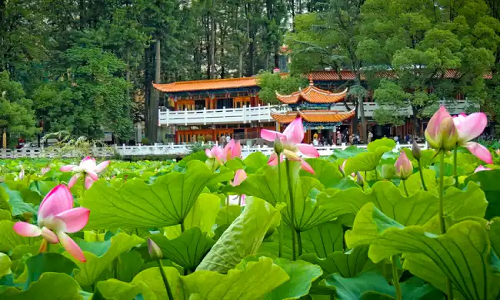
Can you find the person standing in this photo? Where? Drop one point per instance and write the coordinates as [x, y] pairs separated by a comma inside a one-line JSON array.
[[228, 139], [370, 136]]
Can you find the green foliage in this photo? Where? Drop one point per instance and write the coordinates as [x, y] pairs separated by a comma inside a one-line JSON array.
[[16, 111], [348, 233], [270, 84]]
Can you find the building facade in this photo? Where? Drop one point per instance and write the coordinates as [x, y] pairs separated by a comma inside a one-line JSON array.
[[210, 110]]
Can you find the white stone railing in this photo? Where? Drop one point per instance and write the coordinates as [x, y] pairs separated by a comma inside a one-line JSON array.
[[217, 116], [263, 113], [171, 149]]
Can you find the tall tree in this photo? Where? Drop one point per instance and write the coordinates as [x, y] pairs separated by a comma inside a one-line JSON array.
[[435, 53], [329, 39], [16, 113]]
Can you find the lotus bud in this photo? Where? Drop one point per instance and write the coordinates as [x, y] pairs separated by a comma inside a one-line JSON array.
[[403, 166], [154, 250], [359, 179], [388, 171], [415, 149], [441, 133], [342, 168], [498, 152], [278, 145]]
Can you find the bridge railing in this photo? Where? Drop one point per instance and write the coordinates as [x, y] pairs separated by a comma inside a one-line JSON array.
[[158, 150]]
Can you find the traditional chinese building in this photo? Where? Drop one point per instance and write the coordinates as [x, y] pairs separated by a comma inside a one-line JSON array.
[[209, 110], [319, 112]]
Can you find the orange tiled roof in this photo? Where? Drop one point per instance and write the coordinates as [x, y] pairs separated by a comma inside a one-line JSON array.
[[312, 94], [314, 116], [350, 75], [202, 85]]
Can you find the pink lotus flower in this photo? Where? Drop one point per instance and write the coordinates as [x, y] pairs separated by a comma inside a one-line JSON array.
[[403, 166], [56, 217], [481, 168], [230, 151], [239, 177], [498, 152], [441, 133], [88, 168], [291, 139], [45, 170], [470, 127]]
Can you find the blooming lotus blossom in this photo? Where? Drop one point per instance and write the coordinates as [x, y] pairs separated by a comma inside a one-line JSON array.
[[441, 133], [56, 217], [239, 177], [481, 168], [291, 139], [88, 168], [470, 127], [230, 151], [403, 166]]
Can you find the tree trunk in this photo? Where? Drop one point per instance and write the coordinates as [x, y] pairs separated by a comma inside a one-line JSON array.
[[240, 64], [212, 41], [361, 110], [153, 136], [147, 90], [127, 76]]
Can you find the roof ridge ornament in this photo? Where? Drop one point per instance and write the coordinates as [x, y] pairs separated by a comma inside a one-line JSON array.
[[311, 82]]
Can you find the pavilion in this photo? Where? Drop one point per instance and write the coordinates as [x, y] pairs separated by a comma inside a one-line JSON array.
[[316, 108]]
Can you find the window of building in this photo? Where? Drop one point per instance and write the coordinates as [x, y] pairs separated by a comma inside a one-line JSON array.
[[225, 102]]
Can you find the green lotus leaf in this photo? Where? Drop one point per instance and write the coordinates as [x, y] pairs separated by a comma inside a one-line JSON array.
[[243, 237], [371, 285], [463, 252], [50, 286], [384, 143], [136, 204], [9, 239], [187, 250], [90, 271], [113, 289], [301, 274]]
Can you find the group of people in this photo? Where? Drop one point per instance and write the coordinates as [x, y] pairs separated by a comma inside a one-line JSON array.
[[339, 138], [224, 140]]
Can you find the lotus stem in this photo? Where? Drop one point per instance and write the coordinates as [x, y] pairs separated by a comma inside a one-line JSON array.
[[421, 175], [239, 200], [441, 194], [455, 176], [299, 243], [182, 226], [292, 210], [165, 280], [406, 190], [395, 278], [282, 227], [441, 215]]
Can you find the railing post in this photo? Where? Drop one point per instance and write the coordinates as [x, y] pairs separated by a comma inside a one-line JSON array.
[[168, 113], [269, 111], [185, 116], [204, 116], [258, 110], [224, 112], [244, 114]]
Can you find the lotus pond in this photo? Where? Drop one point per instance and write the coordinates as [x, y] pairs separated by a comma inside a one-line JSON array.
[[364, 224]]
